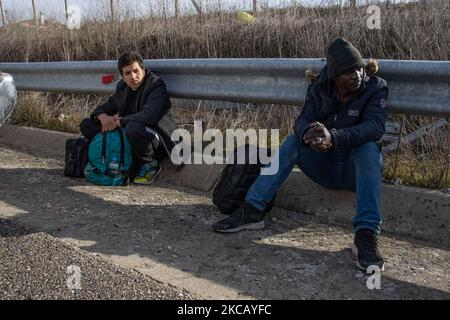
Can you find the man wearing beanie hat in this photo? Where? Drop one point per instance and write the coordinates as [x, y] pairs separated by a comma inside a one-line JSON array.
[[342, 57], [335, 144]]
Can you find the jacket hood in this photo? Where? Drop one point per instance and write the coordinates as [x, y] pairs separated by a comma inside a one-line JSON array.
[[321, 80], [371, 69]]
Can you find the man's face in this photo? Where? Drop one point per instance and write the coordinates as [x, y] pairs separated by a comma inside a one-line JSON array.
[[350, 81], [133, 75]]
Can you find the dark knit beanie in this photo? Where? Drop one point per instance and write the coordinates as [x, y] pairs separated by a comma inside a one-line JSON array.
[[342, 57]]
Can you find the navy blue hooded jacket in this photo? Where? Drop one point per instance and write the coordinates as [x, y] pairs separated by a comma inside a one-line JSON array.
[[359, 120]]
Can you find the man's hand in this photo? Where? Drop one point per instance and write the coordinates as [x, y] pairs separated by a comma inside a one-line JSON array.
[[109, 123], [318, 137], [117, 119]]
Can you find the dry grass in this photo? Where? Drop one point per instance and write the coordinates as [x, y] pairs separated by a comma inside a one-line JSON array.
[[417, 31], [424, 162], [60, 112]]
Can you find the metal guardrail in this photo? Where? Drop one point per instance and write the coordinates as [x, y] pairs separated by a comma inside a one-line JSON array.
[[417, 87]]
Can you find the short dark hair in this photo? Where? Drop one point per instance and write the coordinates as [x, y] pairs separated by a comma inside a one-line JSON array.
[[128, 58]]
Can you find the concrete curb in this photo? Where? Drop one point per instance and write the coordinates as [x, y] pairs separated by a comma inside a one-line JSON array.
[[407, 211]]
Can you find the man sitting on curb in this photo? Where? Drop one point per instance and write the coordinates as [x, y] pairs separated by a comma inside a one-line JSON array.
[[140, 105], [335, 145]]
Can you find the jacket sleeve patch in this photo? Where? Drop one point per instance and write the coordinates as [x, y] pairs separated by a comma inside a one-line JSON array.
[[353, 113]]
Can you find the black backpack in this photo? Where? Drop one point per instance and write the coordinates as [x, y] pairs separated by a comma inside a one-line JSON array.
[[76, 157], [235, 181]]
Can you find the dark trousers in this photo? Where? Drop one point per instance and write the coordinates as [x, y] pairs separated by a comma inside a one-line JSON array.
[[144, 141]]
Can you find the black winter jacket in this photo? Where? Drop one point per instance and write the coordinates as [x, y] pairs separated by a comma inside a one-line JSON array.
[[151, 107], [359, 120]]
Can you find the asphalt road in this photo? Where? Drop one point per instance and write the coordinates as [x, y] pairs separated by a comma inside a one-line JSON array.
[[156, 242]]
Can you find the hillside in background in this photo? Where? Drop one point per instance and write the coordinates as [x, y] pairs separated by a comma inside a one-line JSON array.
[[418, 30]]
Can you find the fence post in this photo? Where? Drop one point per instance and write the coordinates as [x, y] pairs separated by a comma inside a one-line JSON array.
[[163, 7], [34, 12], [399, 143], [197, 7], [3, 16], [112, 11], [177, 8], [67, 14]]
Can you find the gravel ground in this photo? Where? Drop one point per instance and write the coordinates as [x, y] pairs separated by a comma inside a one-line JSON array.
[[165, 233], [34, 266]]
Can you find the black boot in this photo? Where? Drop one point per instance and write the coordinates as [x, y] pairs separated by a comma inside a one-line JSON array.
[[366, 250], [246, 217]]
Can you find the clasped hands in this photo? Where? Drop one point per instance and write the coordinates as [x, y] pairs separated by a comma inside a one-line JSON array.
[[318, 137], [109, 123]]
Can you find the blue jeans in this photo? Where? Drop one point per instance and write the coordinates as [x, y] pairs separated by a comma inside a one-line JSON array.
[[357, 169]]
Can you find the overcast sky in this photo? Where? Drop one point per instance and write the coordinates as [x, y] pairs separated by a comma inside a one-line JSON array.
[[22, 9]]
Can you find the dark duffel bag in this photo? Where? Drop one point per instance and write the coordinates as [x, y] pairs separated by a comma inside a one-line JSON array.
[[235, 181], [76, 157]]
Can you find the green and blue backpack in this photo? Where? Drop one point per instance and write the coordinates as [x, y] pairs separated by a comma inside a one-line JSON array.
[[110, 159]]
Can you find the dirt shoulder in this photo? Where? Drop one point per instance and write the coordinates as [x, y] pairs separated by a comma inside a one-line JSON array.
[[38, 266]]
